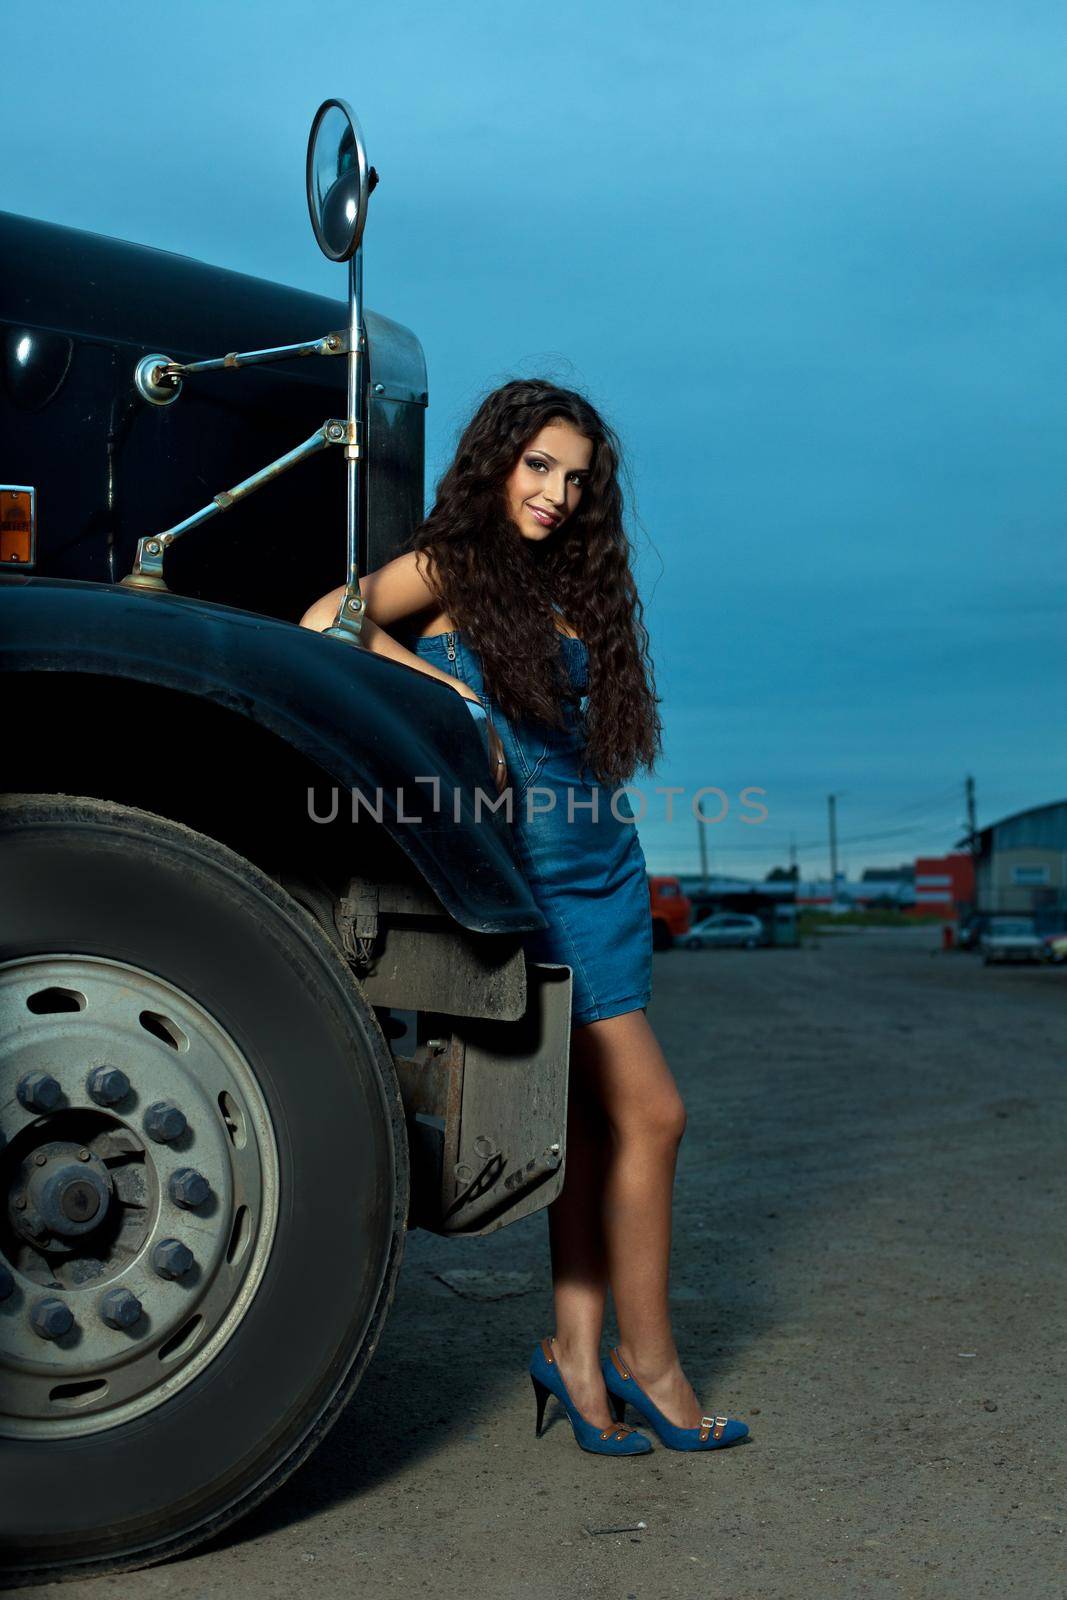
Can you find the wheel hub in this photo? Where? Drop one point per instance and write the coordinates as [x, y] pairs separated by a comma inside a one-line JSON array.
[[62, 1192]]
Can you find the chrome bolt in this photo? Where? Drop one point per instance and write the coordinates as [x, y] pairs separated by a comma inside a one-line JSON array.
[[39, 1091], [120, 1308], [153, 544], [379, 388], [7, 1284], [51, 1318], [83, 1155], [164, 1122], [171, 1258], [188, 1187], [107, 1085], [40, 1159]]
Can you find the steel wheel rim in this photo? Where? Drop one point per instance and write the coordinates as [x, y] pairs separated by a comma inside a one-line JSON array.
[[63, 1016]]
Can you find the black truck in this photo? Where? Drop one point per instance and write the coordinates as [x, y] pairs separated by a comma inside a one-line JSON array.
[[264, 1003]]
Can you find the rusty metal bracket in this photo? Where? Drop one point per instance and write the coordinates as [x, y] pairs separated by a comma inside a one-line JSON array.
[[147, 569]]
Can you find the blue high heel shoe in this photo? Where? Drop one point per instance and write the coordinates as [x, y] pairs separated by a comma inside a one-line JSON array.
[[623, 1390], [618, 1440]]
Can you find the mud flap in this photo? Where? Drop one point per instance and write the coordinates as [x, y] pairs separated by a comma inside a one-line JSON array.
[[486, 1103]]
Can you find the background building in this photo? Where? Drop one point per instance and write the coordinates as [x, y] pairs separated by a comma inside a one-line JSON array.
[[944, 883], [1021, 866]]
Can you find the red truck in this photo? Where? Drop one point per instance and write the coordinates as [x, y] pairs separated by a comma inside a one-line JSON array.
[[672, 911]]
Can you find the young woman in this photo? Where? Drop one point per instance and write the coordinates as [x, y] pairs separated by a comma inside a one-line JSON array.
[[518, 592]]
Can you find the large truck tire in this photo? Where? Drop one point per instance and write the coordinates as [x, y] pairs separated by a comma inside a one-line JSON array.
[[203, 1186]]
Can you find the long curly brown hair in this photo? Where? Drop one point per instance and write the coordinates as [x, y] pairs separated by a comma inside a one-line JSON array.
[[500, 589]]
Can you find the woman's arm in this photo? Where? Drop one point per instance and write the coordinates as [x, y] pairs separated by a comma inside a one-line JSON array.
[[396, 591]]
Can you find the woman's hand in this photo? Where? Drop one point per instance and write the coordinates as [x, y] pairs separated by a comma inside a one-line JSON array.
[[497, 764], [496, 758]]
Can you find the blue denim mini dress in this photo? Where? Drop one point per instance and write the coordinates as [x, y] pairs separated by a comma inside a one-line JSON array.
[[577, 842]]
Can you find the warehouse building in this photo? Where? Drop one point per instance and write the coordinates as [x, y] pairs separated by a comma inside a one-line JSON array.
[[1021, 866]]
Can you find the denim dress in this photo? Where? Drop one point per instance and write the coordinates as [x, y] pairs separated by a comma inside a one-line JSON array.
[[576, 839]]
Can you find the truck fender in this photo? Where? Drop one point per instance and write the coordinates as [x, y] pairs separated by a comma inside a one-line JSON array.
[[369, 724]]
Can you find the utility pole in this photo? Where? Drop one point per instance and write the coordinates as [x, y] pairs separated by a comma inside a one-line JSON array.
[[972, 824], [702, 836], [794, 874], [972, 820], [832, 799]]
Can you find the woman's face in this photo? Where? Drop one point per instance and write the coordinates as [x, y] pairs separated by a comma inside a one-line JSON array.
[[546, 483]]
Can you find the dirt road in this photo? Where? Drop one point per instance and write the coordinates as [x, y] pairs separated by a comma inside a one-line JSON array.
[[868, 1268]]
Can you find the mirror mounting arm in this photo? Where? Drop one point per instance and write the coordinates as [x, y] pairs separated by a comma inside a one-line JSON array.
[[159, 380], [147, 570]]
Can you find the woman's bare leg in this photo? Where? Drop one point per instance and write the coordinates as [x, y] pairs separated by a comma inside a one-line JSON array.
[[579, 1263], [621, 1060]]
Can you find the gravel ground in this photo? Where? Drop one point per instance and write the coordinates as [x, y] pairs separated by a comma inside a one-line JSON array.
[[867, 1268]]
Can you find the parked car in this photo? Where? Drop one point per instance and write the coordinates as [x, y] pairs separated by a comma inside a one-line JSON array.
[[724, 928], [1010, 939], [1054, 947], [672, 911]]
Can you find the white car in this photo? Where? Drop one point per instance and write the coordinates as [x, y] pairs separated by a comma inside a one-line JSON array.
[[1010, 939], [723, 928]]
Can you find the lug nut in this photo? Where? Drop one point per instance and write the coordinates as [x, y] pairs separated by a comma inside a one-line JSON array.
[[51, 1318], [107, 1085], [164, 1122], [7, 1283], [39, 1091], [188, 1187], [120, 1308], [171, 1258]]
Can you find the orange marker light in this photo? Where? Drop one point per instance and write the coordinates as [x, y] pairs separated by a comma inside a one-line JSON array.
[[17, 527]]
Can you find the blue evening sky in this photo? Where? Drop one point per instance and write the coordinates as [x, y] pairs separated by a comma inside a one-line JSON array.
[[809, 259]]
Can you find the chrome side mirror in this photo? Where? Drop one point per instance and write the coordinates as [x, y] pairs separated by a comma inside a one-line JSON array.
[[338, 180]]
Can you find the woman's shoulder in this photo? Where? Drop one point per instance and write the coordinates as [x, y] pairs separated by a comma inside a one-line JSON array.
[[403, 591]]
